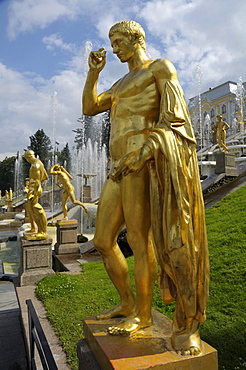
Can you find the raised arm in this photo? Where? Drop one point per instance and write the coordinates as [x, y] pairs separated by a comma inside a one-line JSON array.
[[54, 170], [93, 104]]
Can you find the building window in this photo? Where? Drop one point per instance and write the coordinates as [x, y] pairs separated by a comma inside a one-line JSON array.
[[212, 114], [204, 114], [223, 111]]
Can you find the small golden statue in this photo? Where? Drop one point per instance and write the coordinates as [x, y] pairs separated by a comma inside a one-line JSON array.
[[220, 127], [35, 211], [64, 178], [153, 188]]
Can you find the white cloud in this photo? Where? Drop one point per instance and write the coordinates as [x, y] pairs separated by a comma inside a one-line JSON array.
[[207, 33], [26, 15], [55, 41]]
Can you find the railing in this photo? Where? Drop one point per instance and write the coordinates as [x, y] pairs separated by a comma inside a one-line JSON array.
[[38, 338]]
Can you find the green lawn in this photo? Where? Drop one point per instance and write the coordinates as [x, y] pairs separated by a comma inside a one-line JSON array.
[[69, 298]]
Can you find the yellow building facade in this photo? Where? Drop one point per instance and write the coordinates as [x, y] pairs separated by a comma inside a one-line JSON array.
[[228, 99]]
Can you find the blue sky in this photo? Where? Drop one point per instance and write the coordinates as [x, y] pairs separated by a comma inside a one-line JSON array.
[[44, 46]]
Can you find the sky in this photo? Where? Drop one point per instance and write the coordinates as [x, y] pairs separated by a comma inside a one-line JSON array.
[[44, 47]]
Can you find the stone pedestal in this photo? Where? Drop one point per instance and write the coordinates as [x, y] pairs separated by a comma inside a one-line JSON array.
[[86, 193], [66, 236], [225, 163], [10, 206], [149, 348], [35, 261]]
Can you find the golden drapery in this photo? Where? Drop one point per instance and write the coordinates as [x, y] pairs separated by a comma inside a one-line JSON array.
[[177, 209]]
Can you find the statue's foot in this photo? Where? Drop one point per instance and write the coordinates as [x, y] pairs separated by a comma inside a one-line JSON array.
[[31, 231], [118, 310], [191, 351], [64, 219], [129, 326], [188, 344]]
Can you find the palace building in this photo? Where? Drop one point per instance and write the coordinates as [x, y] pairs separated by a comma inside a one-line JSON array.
[[228, 99]]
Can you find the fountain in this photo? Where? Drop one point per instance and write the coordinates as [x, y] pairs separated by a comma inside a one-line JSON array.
[[90, 166], [19, 178], [240, 93]]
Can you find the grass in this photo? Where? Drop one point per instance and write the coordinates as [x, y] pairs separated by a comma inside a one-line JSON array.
[[69, 298]]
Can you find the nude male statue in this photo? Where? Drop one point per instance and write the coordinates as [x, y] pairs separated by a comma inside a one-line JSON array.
[[220, 127], [64, 182], [36, 213], [153, 188]]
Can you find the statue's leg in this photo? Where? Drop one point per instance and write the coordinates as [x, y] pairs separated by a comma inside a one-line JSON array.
[[136, 206], [183, 272], [29, 208], [109, 222], [40, 218], [64, 204], [186, 337]]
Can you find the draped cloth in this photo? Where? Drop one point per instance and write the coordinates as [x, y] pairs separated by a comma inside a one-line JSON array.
[[177, 209]]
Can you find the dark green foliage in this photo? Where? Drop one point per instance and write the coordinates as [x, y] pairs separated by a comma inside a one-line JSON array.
[[94, 129], [64, 157], [41, 145], [7, 174], [84, 132], [67, 157]]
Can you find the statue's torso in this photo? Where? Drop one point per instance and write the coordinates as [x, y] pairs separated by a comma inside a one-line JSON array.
[[135, 107]]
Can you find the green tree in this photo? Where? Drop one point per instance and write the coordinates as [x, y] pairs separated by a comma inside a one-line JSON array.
[[83, 133], [7, 174], [64, 157], [41, 145], [94, 128]]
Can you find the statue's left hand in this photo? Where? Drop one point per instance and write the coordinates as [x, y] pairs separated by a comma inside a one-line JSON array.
[[132, 162]]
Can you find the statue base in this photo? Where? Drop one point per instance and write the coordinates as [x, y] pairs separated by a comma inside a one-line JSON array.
[[35, 236], [35, 261], [66, 236], [146, 349], [225, 163]]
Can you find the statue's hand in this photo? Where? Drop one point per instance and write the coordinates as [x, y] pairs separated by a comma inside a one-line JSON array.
[[30, 195], [132, 162], [97, 59]]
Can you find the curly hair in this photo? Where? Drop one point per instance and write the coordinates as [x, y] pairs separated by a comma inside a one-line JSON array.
[[129, 28]]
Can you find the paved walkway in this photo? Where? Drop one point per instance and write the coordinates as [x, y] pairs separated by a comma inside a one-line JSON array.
[[12, 347]]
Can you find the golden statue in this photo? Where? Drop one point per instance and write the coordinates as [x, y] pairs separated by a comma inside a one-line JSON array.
[[220, 127], [64, 182], [6, 196], [153, 188], [35, 211]]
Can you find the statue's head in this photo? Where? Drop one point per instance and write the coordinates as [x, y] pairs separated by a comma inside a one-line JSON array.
[[29, 155], [131, 29], [219, 116]]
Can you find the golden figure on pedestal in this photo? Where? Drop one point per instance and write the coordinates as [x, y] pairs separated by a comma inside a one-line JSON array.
[[35, 211], [64, 178], [153, 188], [220, 127]]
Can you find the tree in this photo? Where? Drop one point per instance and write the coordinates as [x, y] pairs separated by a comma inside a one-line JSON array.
[[94, 128], [41, 145], [106, 130], [64, 157], [7, 174], [84, 132]]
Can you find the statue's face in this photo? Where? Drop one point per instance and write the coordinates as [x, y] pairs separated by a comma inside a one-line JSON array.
[[29, 157], [123, 46]]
